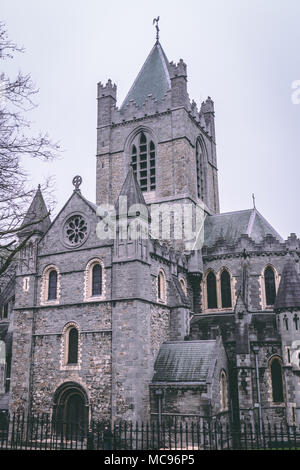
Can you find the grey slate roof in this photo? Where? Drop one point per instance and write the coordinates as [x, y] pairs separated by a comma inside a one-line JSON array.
[[231, 225], [288, 295], [184, 361], [154, 78], [36, 211]]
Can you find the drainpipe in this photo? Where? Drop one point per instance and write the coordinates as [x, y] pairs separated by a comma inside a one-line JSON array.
[[255, 350]]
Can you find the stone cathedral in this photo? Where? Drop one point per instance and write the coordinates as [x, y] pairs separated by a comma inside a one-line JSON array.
[[143, 329]]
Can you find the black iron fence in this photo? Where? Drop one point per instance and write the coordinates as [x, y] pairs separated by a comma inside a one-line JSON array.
[[45, 433]]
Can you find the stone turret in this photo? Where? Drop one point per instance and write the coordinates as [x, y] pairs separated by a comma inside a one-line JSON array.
[[179, 84], [131, 280], [287, 307]]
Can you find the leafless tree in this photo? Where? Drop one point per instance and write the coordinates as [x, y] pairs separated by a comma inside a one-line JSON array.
[[16, 145]]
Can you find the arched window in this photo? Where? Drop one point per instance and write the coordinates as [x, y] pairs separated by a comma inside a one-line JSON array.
[[97, 279], [143, 162], [183, 285], [211, 286], [200, 152], [277, 381], [270, 287], [224, 390], [52, 285], [226, 289], [73, 346], [161, 286]]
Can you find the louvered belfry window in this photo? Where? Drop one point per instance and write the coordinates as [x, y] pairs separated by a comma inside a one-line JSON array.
[[211, 290], [225, 289], [270, 287], [97, 280], [143, 162], [52, 285]]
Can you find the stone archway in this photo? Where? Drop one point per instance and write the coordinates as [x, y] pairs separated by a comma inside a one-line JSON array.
[[71, 410]]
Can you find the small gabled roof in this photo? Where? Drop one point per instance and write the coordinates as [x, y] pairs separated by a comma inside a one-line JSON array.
[[184, 361], [132, 191], [37, 212], [231, 225], [288, 295], [153, 79]]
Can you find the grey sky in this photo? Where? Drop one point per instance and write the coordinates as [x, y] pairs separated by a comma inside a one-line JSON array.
[[242, 53]]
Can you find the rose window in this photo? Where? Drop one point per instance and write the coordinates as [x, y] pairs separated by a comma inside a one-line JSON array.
[[76, 230]]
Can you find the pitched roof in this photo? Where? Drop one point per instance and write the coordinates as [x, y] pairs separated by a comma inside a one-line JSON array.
[[184, 361], [154, 78], [132, 191], [36, 212], [231, 225], [288, 295]]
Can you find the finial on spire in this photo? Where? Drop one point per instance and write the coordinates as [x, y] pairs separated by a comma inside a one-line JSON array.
[[156, 20], [253, 197]]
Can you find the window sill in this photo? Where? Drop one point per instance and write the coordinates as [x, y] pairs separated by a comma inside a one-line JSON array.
[[70, 367], [94, 298], [50, 302]]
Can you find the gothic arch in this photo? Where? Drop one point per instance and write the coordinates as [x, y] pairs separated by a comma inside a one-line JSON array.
[[201, 168], [265, 296], [161, 286], [141, 153], [276, 379], [209, 290]]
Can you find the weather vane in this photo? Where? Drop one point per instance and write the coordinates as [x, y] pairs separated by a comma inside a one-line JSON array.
[[156, 20]]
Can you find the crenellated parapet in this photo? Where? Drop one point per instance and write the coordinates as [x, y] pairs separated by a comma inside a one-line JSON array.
[[246, 247], [107, 90], [132, 111], [178, 70]]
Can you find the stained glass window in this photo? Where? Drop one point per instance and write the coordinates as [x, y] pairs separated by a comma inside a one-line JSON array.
[[277, 385], [73, 346], [52, 285], [97, 280], [211, 290], [270, 286], [225, 289]]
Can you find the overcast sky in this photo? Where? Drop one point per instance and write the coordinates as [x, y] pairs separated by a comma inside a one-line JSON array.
[[243, 53]]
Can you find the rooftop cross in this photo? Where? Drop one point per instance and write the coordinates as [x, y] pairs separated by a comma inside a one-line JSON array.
[[156, 20], [77, 180]]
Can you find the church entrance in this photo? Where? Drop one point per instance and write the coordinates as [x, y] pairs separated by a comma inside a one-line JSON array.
[[70, 411]]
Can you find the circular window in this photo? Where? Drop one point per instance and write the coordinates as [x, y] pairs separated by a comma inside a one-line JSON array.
[[75, 230]]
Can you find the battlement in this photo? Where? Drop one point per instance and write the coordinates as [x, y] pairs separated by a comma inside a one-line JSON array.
[[207, 106], [107, 90], [134, 112], [178, 70]]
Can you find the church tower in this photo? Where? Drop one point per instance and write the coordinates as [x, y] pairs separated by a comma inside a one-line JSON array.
[[162, 134]]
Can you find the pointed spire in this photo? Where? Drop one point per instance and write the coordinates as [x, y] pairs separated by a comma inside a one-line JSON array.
[[37, 212], [288, 295], [153, 79], [132, 192]]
